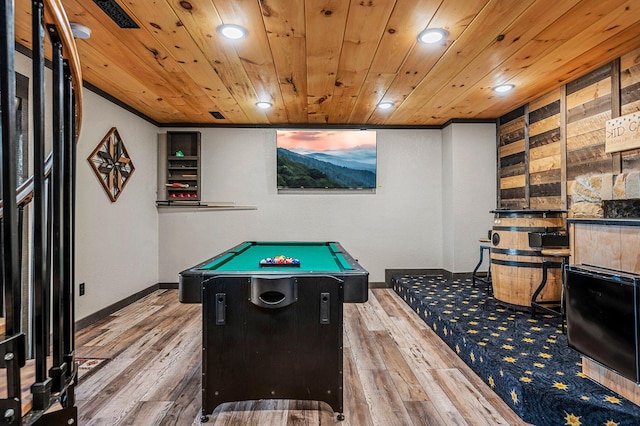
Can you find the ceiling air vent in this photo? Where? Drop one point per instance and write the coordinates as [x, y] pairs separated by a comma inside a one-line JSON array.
[[116, 13], [217, 115]]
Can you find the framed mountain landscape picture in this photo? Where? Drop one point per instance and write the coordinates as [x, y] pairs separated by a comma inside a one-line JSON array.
[[326, 159]]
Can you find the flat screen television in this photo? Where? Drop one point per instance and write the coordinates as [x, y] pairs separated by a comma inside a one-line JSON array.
[[602, 317], [326, 159]]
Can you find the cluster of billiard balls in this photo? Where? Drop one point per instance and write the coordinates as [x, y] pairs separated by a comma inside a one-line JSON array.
[[280, 260], [184, 195]]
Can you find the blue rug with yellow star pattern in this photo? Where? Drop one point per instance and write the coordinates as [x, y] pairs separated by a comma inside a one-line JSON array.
[[526, 361]]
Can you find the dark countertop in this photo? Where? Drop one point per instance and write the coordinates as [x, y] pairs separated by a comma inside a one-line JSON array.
[[604, 221], [528, 213]]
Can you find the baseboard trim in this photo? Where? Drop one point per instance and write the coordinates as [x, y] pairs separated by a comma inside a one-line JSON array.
[[460, 275], [389, 273], [105, 312], [168, 286]]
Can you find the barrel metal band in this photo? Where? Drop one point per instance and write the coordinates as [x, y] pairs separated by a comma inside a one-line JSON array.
[[517, 264], [515, 252]]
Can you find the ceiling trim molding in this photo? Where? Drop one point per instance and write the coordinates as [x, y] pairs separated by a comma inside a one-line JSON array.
[[331, 126]]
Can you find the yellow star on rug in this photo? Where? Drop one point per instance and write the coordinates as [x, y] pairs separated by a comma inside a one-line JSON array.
[[572, 420], [612, 399], [560, 386], [514, 396]]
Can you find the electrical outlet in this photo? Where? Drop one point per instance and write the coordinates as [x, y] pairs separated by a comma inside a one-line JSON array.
[[81, 289]]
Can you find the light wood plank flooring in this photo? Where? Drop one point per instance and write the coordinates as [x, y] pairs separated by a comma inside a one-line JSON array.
[[397, 372]]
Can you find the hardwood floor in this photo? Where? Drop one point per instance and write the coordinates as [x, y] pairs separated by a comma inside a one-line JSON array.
[[397, 372]]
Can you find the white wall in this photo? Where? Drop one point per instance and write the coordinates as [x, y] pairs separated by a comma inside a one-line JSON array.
[[469, 192], [448, 220], [397, 227], [116, 243]]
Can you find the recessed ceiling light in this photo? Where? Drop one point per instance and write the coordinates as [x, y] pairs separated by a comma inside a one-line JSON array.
[[432, 35], [232, 32], [80, 31], [385, 105], [263, 105], [503, 88]]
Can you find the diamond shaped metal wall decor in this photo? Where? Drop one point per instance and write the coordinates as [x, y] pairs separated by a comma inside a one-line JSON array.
[[111, 163]]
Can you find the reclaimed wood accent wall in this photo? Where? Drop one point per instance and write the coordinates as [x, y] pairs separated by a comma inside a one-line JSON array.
[[545, 144], [545, 162], [512, 160], [588, 109]]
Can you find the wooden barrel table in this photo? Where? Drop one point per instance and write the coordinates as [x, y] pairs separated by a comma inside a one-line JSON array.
[[516, 268]]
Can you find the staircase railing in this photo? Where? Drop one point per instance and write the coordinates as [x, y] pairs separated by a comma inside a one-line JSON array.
[[39, 385]]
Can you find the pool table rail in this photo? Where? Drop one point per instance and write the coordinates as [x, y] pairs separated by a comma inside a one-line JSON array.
[[347, 269]]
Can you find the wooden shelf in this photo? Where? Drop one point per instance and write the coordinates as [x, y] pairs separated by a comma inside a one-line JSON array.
[[179, 169], [202, 205], [183, 158], [181, 178], [182, 168]]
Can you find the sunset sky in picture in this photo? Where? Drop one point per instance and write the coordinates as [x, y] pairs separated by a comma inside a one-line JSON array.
[[325, 140]]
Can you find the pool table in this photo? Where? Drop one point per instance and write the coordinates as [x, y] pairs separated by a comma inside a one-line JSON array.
[[274, 331]]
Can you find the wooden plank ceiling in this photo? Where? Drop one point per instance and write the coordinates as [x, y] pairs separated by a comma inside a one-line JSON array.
[[332, 61]]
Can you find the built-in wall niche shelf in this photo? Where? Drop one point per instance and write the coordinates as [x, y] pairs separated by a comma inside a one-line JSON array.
[[179, 166], [203, 205]]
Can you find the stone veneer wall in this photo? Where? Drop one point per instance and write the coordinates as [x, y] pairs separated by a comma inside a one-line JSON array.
[[589, 192]]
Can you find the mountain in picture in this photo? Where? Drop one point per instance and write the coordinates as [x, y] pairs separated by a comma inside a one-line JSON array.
[[326, 159]]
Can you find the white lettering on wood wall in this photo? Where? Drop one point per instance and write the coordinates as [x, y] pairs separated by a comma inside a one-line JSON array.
[[622, 133]]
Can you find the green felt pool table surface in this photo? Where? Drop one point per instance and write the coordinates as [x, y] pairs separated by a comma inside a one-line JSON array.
[[243, 261], [313, 256]]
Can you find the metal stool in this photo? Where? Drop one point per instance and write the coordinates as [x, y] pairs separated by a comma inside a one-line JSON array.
[[562, 253], [485, 244]]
